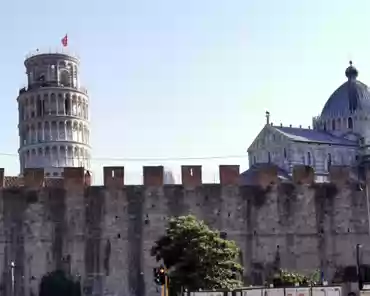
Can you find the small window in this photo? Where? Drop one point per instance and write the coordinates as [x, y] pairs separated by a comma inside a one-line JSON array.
[[269, 157], [324, 126], [308, 158], [350, 123], [333, 125], [285, 155], [254, 159]]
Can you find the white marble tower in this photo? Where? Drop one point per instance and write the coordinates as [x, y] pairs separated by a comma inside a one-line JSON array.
[[54, 118]]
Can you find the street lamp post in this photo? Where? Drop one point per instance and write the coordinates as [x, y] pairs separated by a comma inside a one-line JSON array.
[[12, 266]]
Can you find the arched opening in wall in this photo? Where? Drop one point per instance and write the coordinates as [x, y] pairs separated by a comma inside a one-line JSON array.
[[83, 134], [47, 131], [45, 104], [47, 156], [28, 135], [82, 158], [80, 133], [33, 111], [75, 76], [54, 131], [69, 135], [350, 123], [67, 105], [328, 162], [62, 134], [40, 158], [70, 156], [54, 157], [308, 158], [40, 136], [39, 107], [33, 163], [27, 165], [74, 105], [60, 103], [53, 104], [33, 134], [88, 159], [268, 157], [62, 156], [74, 131], [76, 156], [79, 109], [333, 125], [65, 78]]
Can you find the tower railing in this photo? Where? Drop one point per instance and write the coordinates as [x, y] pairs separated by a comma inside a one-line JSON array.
[[52, 51], [38, 85]]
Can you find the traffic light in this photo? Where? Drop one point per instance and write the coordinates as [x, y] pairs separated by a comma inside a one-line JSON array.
[[160, 275]]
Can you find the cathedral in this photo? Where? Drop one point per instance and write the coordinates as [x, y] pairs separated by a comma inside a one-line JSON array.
[[339, 136]]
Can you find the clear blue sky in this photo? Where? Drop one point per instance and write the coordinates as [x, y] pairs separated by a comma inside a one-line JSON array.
[[173, 79]]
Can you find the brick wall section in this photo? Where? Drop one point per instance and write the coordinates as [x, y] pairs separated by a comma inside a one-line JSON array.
[[104, 234]]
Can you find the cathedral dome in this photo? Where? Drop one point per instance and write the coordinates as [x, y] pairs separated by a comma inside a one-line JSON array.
[[351, 96]]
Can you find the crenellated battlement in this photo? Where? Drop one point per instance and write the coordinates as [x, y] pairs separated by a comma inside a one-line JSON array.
[[191, 176]]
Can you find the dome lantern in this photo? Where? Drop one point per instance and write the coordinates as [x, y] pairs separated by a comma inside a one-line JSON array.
[[351, 72]]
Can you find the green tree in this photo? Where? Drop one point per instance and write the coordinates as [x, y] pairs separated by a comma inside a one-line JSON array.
[[57, 283], [197, 257], [290, 278]]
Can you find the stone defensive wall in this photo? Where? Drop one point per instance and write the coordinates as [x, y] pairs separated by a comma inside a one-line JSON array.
[[103, 234]]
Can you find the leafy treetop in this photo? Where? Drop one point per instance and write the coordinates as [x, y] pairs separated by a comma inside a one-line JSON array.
[[290, 278], [197, 257]]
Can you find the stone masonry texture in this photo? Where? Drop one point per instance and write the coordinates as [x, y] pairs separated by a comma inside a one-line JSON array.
[[103, 235]]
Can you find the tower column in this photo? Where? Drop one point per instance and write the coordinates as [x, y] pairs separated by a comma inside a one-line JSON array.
[[50, 130], [65, 130], [37, 132], [58, 72]]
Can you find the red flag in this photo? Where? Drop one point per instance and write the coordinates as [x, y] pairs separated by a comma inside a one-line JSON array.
[[65, 40]]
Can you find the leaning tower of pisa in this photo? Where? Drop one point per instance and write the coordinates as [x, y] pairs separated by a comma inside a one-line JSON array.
[[53, 125]]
